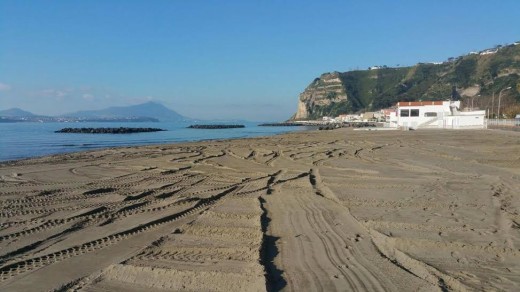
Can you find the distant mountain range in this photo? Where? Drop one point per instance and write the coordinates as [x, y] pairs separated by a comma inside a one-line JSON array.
[[146, 112]]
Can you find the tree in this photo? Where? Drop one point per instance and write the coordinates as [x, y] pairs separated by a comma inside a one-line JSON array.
[[511, 111], [454, 93]]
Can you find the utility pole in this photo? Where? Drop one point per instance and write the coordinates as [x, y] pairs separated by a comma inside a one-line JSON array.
[[499, 96], [498, 108], [493, 105], [472, 101]]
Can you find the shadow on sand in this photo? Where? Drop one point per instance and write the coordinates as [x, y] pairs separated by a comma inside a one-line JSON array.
[[273, 275]]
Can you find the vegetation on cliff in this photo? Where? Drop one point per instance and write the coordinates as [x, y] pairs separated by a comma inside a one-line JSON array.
[[473, 78]]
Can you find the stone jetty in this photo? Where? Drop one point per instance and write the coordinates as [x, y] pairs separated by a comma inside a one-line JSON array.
[[121, 130], [215, 126]]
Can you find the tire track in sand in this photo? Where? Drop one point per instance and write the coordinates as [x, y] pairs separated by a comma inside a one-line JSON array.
[[317, 252]]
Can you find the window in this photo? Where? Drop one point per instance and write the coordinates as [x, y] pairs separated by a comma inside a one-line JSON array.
[[405, 113], [414, 112], [430, 114]]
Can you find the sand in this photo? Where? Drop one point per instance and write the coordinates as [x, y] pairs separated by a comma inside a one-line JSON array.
[[338, 210]]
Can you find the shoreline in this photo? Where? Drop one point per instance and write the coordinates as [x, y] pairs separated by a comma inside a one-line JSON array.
[[14, 161], [142, 145], [358, 210], [57, 155]]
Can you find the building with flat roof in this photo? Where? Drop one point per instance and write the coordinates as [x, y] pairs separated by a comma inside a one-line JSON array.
[[435, 115]]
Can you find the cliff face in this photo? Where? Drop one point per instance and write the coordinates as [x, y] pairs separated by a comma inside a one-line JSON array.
[[471, 78], [320, 94]]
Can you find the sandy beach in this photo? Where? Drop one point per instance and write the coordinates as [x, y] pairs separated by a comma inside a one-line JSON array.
[[338, 210]]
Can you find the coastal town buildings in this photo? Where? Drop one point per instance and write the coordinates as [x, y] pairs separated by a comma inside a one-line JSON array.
[[419, 115], [347, 118], [436, 114], [386, 113], [369, 116]]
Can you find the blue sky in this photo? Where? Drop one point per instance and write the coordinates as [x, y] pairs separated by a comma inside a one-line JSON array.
[[223, 59]]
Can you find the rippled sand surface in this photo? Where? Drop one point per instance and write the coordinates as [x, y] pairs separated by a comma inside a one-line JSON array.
[[310, 211]]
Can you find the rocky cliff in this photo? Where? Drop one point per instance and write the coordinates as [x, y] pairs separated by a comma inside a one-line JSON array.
[[473, 78], [320, 94]]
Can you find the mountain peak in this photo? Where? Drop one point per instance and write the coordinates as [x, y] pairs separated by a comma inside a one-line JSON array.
[[148, 109], [16, 112]]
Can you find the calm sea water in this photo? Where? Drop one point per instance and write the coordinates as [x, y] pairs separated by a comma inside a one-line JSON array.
[[24, 140]]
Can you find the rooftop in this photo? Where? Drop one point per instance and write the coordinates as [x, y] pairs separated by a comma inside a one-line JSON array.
[[419, 103]]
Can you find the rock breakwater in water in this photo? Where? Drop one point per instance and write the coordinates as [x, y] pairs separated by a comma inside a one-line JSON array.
[[215, 126], [121, 130]]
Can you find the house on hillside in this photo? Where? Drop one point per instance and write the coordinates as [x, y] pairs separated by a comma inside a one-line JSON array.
[[436, 115], [489, 52]]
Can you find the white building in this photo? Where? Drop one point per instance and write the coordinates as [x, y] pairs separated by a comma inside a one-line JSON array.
[[489, 52], [435, 114], [327, 119], [347, 118]]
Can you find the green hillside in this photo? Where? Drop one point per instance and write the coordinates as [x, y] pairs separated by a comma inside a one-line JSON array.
[[471, 77]]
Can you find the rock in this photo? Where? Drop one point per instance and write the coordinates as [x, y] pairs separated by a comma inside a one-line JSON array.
[[322, 92], [121, 130], [285, 124], [215, 126]]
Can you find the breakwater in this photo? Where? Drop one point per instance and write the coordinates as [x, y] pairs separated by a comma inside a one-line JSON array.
[[121, 130], [215, 126]]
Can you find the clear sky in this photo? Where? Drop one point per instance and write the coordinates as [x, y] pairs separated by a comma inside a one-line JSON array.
[[223, 59]]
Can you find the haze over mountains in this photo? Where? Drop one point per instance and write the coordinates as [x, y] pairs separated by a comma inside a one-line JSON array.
[[150, 111]]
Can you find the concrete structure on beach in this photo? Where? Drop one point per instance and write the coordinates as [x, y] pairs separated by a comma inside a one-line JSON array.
[[435, 115]]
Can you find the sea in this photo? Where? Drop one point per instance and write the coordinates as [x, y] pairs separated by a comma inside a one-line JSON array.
[[27, 140]]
